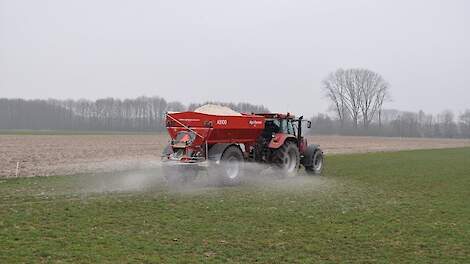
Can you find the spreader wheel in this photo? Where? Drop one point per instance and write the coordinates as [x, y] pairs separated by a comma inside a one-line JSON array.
[[287, 158], [230, 168]]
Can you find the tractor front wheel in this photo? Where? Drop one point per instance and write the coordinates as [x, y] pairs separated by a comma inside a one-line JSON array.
[[316, 167]]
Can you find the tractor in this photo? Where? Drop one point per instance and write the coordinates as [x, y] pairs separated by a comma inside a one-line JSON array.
[[222, 145]]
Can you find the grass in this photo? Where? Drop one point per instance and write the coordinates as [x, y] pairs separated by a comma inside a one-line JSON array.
[[402, 207]]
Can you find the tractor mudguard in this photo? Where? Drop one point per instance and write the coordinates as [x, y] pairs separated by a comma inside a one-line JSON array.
[[307, 158], [278, 140], [216, 151]]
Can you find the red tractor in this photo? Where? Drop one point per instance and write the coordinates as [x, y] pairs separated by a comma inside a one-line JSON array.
[[225, 144]]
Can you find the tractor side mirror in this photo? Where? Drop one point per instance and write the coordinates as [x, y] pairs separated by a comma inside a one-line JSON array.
[[309, 124]]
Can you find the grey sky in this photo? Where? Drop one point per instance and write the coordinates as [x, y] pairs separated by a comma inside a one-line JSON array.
[[266, 52]]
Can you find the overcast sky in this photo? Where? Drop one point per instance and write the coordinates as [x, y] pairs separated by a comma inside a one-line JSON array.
[[274, 53]]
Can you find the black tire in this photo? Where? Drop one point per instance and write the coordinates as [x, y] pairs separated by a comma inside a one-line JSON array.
[[317, 162], [229, 171], [287, 159]]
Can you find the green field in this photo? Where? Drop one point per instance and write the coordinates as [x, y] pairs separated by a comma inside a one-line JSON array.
[[397, 207]]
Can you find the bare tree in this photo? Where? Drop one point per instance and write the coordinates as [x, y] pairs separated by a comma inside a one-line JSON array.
[[352, 97], [465, 123], [175, 106], [373, 90], [335, 90], [359, 93], [406, 125], [448, 126]]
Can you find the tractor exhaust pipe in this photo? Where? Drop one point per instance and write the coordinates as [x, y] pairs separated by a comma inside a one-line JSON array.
[[299, 131]]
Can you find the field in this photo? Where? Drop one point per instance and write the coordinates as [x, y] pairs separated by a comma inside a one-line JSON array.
[[397, 207], [59, 154]]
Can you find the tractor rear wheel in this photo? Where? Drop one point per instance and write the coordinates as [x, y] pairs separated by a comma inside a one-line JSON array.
[[287, 158], [230, 169]]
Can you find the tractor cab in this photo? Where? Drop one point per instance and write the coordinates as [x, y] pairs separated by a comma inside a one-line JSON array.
[[285, 126], [281, 127]]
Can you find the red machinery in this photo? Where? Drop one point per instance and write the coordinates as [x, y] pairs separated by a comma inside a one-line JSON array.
[[224, 143]]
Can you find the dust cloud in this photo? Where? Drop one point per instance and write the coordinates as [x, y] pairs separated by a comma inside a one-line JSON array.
[[155, 179]]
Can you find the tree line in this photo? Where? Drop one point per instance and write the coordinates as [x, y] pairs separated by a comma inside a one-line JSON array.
[[356, 96], [108, 114], [397, 123]]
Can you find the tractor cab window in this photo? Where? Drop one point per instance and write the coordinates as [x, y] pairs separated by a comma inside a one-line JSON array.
[[276, 126], [286, 127], [294, 128], [290, 128], [271, 127]]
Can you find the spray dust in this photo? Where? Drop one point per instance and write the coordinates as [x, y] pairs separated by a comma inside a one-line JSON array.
[[152, 178]]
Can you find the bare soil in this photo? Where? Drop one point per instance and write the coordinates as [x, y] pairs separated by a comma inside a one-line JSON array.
[[44, 155]]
